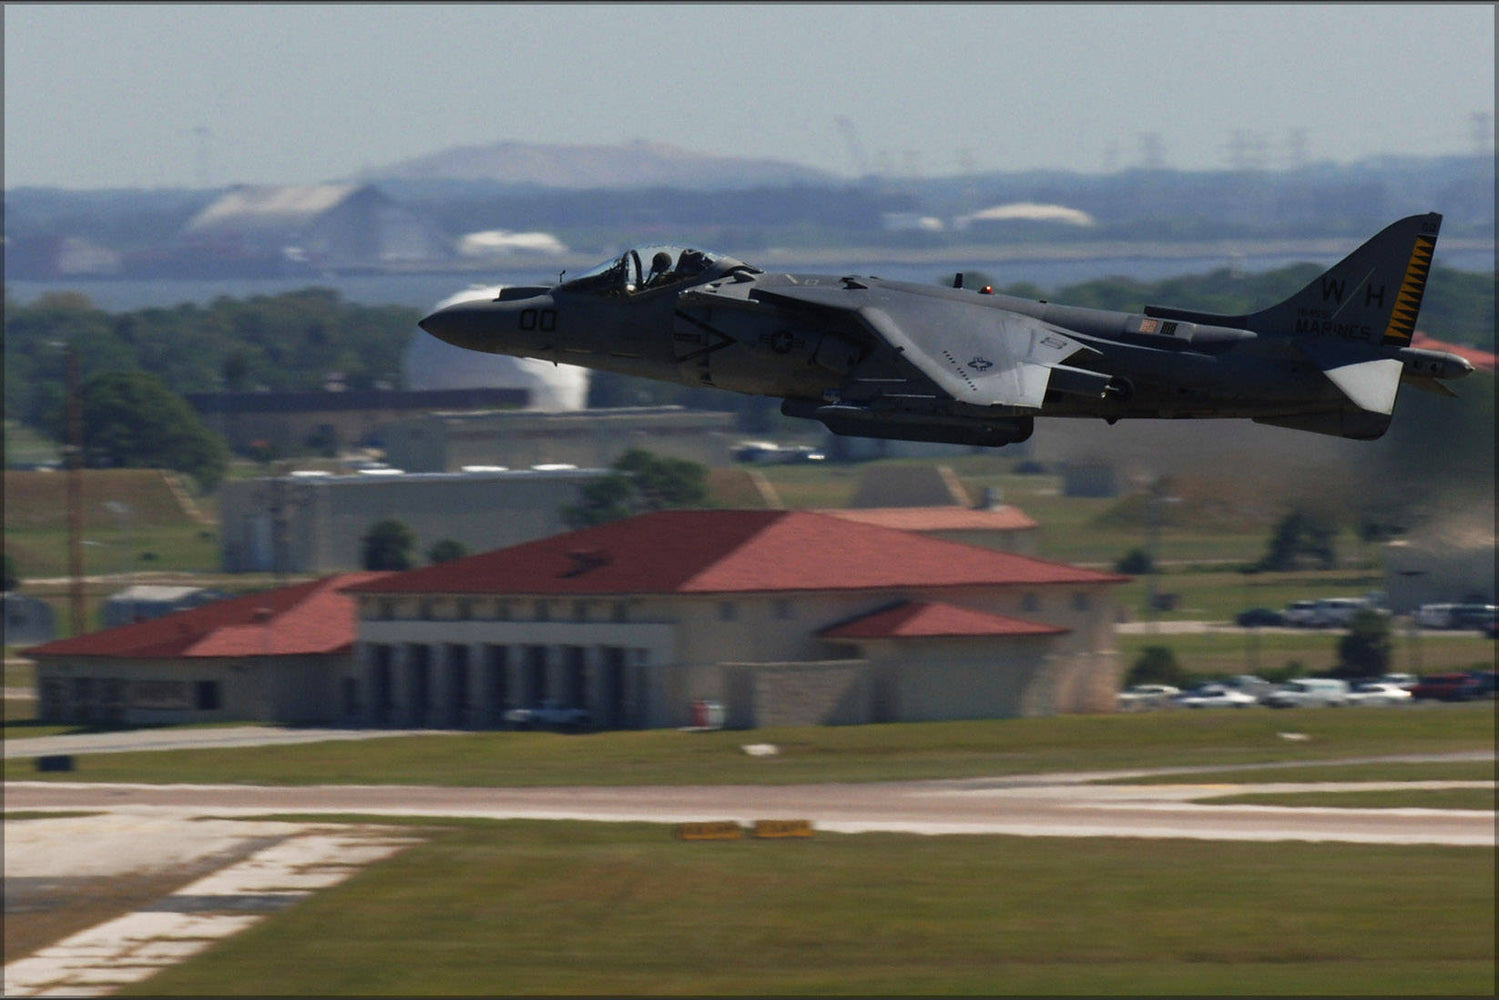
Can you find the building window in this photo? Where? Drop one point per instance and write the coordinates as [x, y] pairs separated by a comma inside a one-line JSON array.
[[726, 611], [424, 610], [465, 609], [1030, 602], [501, 611], [621, 611], [1080, 601], [781, 609], [386, 610], [543, 611], [580, 611]]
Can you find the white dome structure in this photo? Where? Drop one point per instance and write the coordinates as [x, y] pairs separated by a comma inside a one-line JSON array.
[[434, 364], [1028, 211]]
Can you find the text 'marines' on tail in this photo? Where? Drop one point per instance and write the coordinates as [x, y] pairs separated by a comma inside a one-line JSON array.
[[1372, 296]]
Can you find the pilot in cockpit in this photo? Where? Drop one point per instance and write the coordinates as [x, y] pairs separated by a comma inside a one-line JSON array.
[[660, 269]]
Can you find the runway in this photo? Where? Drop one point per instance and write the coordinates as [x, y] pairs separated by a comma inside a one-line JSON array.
[[1031, 806]]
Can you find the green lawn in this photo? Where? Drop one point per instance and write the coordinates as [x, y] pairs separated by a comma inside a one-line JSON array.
[[507, 908], [812, 754]]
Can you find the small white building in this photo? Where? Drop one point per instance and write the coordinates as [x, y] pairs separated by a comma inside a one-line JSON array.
[[143, 601], [317, 524]]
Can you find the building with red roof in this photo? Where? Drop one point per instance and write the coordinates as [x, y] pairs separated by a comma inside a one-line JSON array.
[[284, 655], [779, 617], [996, 527]]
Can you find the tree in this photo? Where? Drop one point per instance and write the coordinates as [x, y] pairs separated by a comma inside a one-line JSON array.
[[132, 420], [1136, 562], [12, 578], [446, 551], [1157, 665], [661, 483], [1367, 648], [1300, 537], [388, 545], [601, 501], [640, 481]]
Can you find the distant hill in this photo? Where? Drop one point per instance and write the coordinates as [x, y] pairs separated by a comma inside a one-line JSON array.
[[636, 164]]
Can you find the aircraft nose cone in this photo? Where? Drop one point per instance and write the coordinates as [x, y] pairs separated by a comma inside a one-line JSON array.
[[460, 325]]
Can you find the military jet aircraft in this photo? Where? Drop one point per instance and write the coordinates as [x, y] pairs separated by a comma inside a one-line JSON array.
[[960, 364]]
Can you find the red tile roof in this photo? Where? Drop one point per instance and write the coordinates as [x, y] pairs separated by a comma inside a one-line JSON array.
[[928, 619], [308, 618], [730, 551], [950, 518]]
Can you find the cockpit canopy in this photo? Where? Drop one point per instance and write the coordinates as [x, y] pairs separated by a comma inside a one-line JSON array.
[[646, 269]]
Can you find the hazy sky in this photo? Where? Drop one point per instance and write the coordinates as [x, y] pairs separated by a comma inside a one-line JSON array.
[[102, 95]]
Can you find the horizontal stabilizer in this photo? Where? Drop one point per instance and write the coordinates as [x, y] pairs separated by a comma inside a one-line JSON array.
[[1371, 385]]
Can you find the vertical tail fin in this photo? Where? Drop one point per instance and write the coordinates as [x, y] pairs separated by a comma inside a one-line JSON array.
[[1372, 296]]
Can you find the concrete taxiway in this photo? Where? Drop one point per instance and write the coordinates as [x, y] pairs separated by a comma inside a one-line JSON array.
[[1036, 806], [259, 866]]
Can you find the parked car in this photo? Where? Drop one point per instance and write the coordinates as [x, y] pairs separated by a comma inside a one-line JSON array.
[[1446, 687], [1459, 616], [1308, 692], [1302, 614], [1432, 615], [1328, 612], [1257, 617], [1472, 616], [1146, 696], [550, 714], [1247, 684], [1338, 612], [1406, 681], [1378, 693], [1215, 696]]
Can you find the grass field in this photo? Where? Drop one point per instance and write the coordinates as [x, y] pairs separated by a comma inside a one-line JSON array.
[[560, 908], [812, 754], [508, 908]]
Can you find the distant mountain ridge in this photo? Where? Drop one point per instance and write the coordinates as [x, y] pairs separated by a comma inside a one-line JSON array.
[[635, 164]]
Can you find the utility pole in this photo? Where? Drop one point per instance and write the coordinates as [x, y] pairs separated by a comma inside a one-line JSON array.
[[75, 494]]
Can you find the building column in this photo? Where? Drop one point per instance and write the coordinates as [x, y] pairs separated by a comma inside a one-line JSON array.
[[555, 684], [417, 685], [643, 681], [440, 686]]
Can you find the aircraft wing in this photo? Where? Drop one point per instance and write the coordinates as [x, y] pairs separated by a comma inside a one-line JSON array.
[[977, 354]]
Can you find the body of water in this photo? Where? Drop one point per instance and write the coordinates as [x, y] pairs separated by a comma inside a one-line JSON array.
[[421, 291]]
